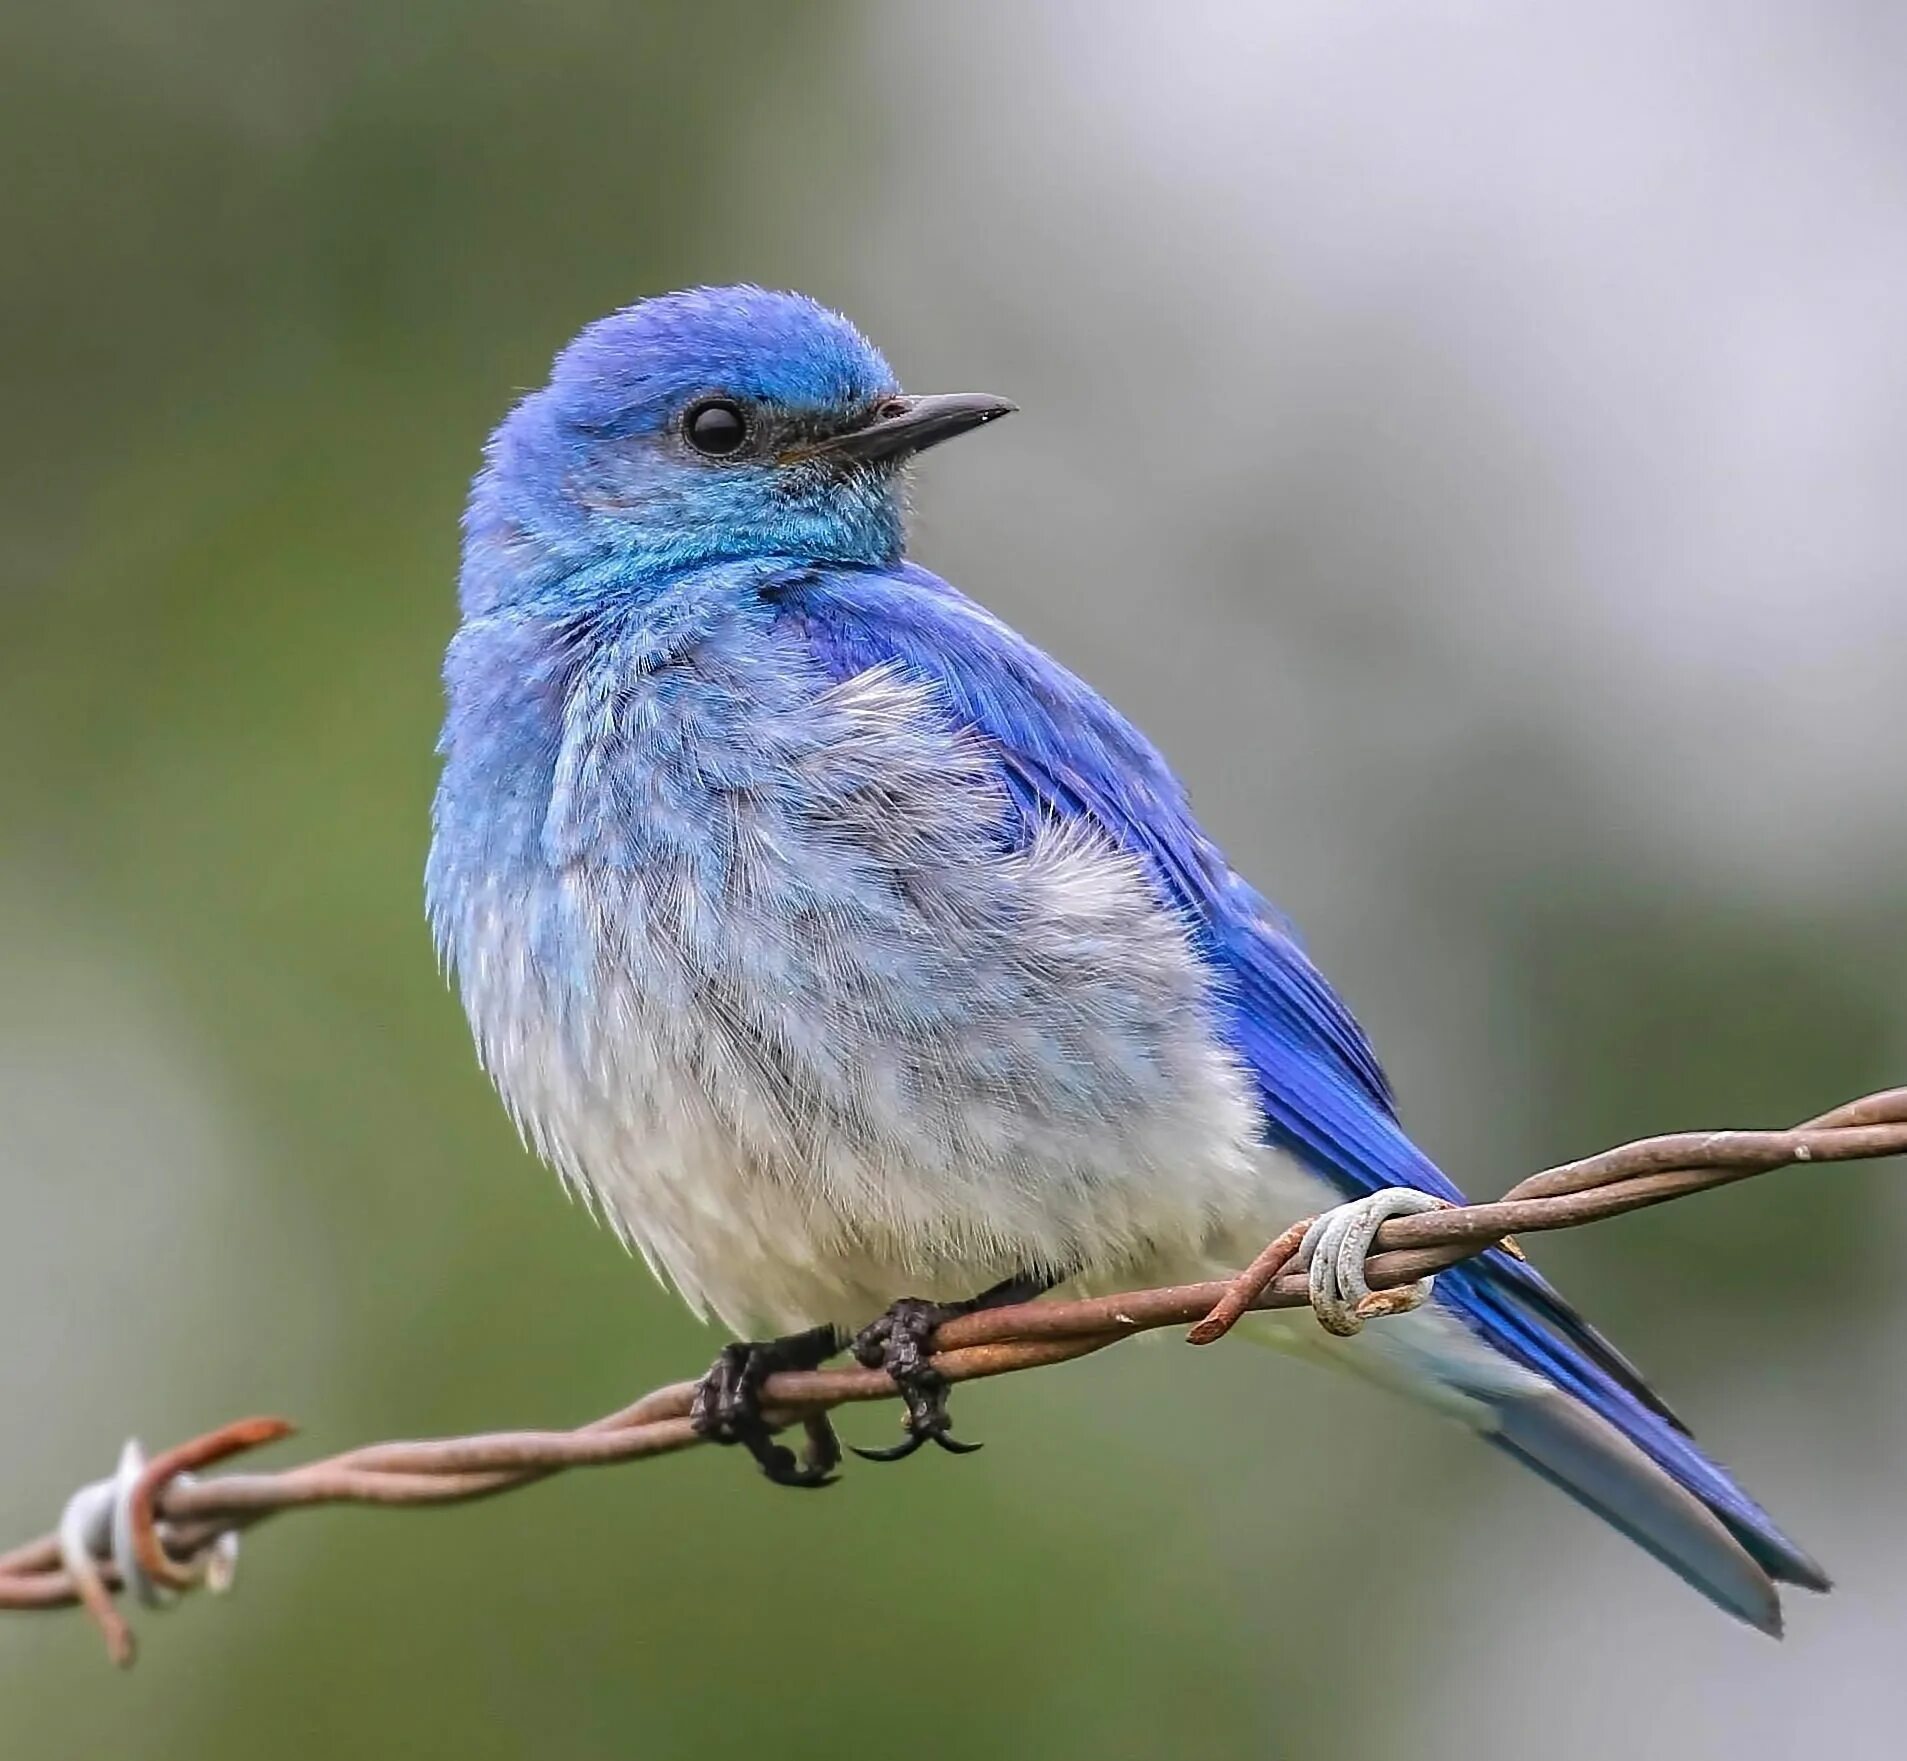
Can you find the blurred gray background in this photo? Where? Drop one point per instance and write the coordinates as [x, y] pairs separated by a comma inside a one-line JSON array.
[[1469, 437]]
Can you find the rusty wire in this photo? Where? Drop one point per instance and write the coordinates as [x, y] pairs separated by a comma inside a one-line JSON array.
[[175, 1520]]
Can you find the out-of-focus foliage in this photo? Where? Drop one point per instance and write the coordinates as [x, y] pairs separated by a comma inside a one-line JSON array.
[[1471, 447]]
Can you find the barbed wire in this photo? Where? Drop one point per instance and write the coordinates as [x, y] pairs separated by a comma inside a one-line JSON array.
[[155, 1529]]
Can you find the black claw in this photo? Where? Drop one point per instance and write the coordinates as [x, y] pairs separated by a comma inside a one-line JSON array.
[[821, 1454], [807, 1471], [727, 1407], [901, 1343], [895, 1451]]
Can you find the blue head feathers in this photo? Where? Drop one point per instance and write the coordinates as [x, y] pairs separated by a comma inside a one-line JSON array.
[[713, 424], [633, 371]]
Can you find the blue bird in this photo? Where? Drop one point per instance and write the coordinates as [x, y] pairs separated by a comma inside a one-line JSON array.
[[854, 959]]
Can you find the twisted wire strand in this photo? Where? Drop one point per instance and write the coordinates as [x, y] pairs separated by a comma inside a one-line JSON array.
[[158, 1528]]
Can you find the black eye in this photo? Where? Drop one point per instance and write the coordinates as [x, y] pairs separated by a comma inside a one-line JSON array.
[[717, 428]]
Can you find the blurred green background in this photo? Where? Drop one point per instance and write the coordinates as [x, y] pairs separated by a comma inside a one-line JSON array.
[[1469, 438]]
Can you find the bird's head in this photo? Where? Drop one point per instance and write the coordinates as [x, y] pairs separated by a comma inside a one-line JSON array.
[[718, 423]]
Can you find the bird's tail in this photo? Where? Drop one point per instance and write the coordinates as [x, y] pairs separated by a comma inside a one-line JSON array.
[[1604, 1436], [1583, 1453], [1633, 1465]]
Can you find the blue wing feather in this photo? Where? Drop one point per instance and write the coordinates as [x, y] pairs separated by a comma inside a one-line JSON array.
[[1066, 754]]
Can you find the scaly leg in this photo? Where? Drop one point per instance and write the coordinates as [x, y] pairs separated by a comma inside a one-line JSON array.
[[727, 1406], [901, 1342]]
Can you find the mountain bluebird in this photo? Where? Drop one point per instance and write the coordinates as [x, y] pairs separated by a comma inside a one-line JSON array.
[[861, 966]]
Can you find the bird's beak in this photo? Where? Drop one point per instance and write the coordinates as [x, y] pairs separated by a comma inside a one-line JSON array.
[[904, 425]]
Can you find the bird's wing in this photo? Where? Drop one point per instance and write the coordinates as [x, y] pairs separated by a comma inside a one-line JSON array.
[[1066, 754]]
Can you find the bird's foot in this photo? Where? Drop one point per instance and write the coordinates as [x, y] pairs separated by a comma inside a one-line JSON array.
[[901, 1343], [1333, 1252], [727, 1406]]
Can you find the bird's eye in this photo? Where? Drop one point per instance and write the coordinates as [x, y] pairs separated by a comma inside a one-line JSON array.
[[716, 427]]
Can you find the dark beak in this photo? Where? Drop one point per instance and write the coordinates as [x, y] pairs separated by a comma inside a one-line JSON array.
[[904, 425]]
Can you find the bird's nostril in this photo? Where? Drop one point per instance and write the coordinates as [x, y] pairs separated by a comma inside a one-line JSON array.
[[889, 408]]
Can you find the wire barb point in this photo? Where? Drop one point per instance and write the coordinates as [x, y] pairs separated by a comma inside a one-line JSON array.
[[113, 1522]]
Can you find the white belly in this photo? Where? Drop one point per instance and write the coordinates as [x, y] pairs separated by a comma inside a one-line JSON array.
[[781, 1195]]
